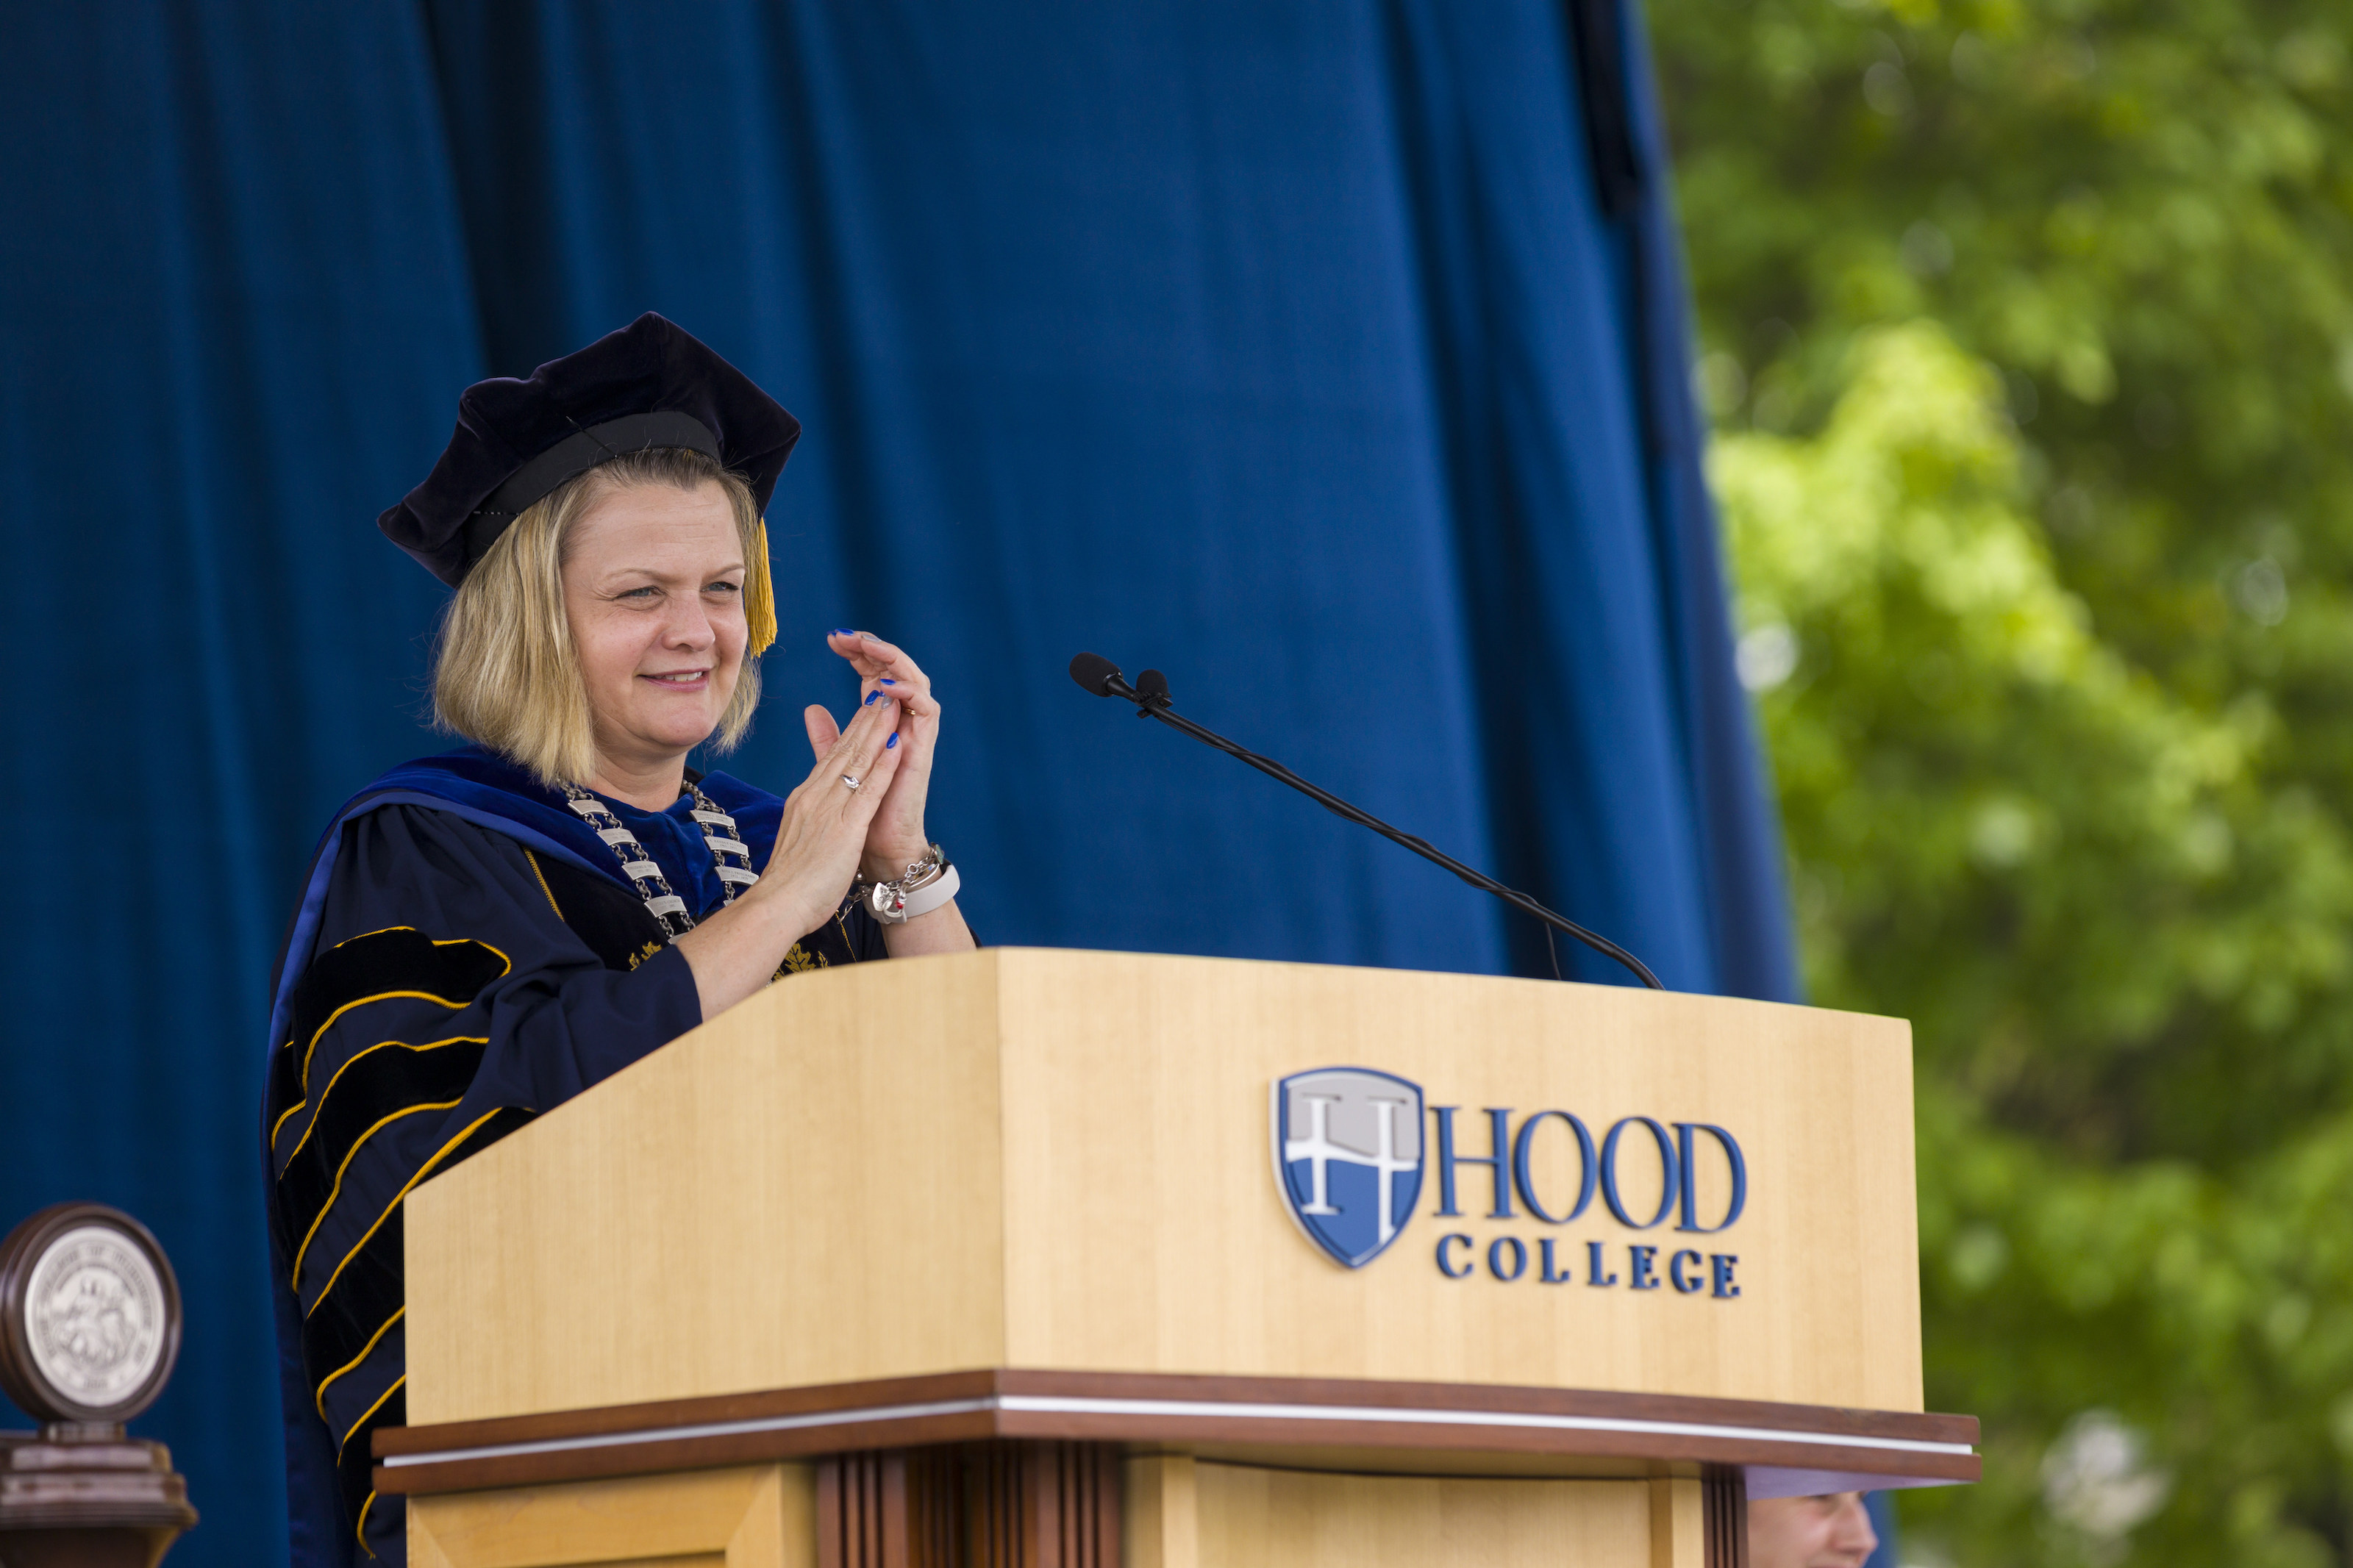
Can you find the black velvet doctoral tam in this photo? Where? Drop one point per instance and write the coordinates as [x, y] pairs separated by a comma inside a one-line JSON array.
[[651, 383]]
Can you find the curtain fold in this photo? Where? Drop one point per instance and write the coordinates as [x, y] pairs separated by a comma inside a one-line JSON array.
[[236, 308]]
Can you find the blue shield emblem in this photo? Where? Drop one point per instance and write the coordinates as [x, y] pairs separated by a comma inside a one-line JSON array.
[[1348, 1155]]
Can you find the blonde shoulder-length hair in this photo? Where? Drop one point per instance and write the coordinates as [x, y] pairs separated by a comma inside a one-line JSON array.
[[505, 670]]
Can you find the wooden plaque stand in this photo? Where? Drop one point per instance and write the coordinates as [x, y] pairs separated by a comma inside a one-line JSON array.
[[90, 1330], [985, 1260], [88, 1497]]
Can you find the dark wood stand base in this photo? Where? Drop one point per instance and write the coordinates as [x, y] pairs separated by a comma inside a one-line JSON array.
[[88, 1497]]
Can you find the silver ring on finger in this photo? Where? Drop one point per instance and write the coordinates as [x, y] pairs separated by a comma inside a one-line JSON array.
[[852, 780]]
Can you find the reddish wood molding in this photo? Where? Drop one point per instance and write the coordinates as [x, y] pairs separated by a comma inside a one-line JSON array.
[[986, 1505], [1107, 1407], [1723, 1517], [861, 1510], [1074, 1494]]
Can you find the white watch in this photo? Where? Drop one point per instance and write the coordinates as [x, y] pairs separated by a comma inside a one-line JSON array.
[[928, 884]]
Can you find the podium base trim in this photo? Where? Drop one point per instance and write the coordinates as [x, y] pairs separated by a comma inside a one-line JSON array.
[[1784, 1447]]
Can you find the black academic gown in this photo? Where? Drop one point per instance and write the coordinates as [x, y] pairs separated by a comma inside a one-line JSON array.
[[467, 956]]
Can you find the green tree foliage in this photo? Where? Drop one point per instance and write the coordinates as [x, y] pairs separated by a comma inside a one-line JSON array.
[[2029, 337]]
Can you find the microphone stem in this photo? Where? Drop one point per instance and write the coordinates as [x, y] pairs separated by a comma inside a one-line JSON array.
[[1156, 707]]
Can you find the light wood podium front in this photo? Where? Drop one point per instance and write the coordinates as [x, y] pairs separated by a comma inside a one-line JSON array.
[[988, 1258]]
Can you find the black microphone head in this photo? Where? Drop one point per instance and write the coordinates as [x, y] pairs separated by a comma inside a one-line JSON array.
[[1152, 684], [1094, 672]]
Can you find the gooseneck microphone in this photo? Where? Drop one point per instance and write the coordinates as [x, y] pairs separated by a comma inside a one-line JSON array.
[[1150, 695]]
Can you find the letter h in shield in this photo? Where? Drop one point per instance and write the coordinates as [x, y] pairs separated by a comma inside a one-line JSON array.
[[1348, 1155]]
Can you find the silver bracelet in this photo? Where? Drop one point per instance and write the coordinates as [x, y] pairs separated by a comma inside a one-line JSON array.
[[927, 884]]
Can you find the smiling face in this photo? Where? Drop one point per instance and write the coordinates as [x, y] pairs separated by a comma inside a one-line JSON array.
[[653, 590]]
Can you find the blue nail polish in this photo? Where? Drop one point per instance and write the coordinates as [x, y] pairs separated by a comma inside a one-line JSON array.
[[890, 743], [871, 697], [888, 681], [843, 632]]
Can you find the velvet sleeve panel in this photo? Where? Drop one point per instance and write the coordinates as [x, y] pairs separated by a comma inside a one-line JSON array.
[[559, 1020], [443, 1004]]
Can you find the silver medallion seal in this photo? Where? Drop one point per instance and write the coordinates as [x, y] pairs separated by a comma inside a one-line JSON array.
[[94, 1316]]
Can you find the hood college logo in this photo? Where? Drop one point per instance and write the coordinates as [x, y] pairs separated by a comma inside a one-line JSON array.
[[1348, 1155]]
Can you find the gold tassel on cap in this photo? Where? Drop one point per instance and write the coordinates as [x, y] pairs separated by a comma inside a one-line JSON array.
[[759, 594]]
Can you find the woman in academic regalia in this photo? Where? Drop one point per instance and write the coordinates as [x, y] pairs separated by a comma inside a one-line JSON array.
[[487, 933]]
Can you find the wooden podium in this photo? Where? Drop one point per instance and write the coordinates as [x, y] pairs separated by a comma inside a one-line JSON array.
[[1020, 1257]]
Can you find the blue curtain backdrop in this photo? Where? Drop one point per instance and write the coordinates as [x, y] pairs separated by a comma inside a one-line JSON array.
[[1329, 356]]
